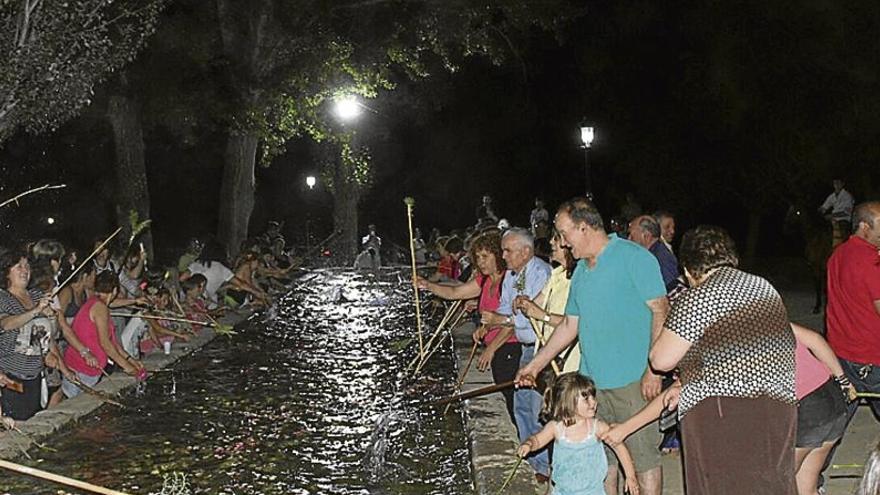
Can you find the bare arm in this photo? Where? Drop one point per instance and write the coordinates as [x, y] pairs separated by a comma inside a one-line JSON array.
[[668, 350], [468, 290], [819, 347], [535, 310], [652, 383], [538, 440], [623, 455], [659, 309], [499, 340], [100, 315], [647, 415], [562, 337], [17, 321]]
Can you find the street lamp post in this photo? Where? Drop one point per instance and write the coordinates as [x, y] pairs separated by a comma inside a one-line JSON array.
[[310, 182], [587, 140]]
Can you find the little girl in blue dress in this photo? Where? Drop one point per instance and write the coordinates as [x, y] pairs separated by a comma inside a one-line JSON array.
[[579, 462]]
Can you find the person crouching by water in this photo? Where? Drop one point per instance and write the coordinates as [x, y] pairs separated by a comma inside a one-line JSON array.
[[24, 337], [94, 328], [502, 352], [579, 461]]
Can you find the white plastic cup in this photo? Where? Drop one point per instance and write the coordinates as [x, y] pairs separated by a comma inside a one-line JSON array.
[[167, 345]]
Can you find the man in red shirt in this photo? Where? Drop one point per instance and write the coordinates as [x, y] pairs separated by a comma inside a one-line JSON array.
[[853, 313]]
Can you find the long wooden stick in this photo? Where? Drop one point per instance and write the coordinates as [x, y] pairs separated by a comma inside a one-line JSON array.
[[89, 390], [540, 334], [412, 250], [89, 258], [31, 191], [57, 478], [161, 317], [475, 393], [439, 342], [421, 357], [464, 373]]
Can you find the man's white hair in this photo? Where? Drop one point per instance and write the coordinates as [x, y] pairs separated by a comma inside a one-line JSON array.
[[526, 239]]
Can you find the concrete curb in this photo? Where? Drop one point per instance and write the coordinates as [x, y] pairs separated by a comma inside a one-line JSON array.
[[44, 423], [492, 437]]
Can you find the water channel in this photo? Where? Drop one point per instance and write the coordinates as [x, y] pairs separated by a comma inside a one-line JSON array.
[[312, 400]]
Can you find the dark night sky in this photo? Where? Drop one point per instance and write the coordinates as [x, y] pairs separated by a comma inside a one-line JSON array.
[[672, 126]]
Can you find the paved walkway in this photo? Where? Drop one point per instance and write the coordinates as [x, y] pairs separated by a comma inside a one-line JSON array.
[[493, 437]]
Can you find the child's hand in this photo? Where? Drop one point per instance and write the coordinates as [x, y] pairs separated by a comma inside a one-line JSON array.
[[614, 436], [524, 449], [632, 485]]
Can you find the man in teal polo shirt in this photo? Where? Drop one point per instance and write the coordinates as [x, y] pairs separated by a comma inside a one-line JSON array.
[[616, 308]]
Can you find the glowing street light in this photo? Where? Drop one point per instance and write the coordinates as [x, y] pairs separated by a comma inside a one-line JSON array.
[[587, 136], [347, 108], [311, 181], [50, 221]]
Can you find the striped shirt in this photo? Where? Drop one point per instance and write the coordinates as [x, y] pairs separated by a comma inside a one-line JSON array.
[[22, 349]]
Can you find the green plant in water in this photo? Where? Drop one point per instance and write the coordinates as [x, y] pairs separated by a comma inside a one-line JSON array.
[[401, 344], [221, 329], [175, 484], [511, 475]]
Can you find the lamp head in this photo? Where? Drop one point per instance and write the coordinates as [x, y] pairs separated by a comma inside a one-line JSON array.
[[587, 136]]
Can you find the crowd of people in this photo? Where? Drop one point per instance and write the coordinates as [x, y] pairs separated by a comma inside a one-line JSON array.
[[69, 317], [605, 333]]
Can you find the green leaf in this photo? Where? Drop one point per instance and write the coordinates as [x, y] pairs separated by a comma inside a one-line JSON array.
[[223, 329], [401, 344]]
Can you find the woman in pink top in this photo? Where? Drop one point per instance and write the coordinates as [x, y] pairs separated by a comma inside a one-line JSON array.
[[502, 352], [821, 405], [95, 330]]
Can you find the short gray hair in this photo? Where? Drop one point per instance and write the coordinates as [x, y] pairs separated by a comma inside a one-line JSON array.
[[650, 225], [526, 238]]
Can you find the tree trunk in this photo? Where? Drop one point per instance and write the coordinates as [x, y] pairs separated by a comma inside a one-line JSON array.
[[237, 190], [132, 191], [346, 195], [753, 235]]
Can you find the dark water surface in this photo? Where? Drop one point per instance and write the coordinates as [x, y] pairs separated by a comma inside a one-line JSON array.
[[310, 401]]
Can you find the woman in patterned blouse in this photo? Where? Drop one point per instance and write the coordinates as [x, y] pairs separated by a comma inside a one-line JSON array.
[[730, 337], [25, 332]]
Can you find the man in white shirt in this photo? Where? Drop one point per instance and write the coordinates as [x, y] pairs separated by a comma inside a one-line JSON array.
[[838, 207]]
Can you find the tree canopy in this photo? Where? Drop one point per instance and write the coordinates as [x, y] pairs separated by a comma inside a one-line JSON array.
[[54, 53]]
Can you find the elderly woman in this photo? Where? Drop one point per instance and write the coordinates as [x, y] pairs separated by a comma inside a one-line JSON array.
[[731, 339], [24, 337], [503, 351], [548, 309]]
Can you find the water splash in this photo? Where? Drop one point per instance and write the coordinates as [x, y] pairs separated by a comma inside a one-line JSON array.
[[377, 447]]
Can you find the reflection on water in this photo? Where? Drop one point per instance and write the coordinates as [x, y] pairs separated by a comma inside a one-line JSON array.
[[312, 401]]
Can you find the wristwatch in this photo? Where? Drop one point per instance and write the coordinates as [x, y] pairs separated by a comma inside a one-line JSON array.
[[508, 320], [85, 352], [546, 318]]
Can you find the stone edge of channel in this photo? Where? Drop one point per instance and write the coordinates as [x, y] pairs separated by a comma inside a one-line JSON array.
[[491, 435], [14, 444]]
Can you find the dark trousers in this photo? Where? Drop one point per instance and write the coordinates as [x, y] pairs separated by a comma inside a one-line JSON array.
[[21, 406], [505, 364]]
